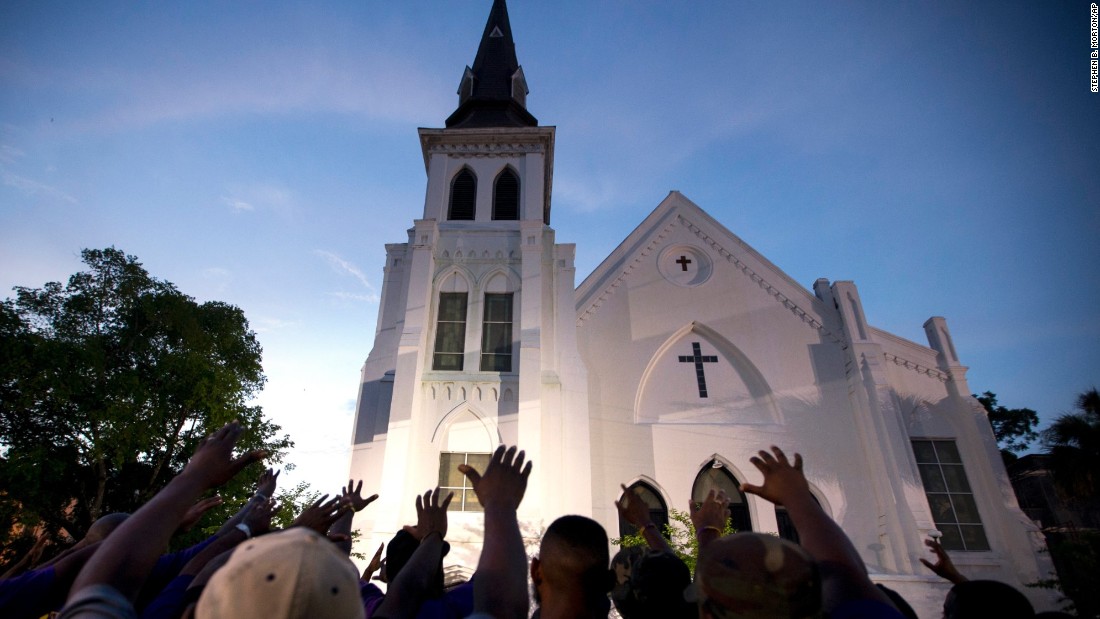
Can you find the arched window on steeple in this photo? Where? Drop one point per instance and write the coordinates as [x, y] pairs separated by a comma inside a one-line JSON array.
[[463, 196], [715, 476], [506, 196]]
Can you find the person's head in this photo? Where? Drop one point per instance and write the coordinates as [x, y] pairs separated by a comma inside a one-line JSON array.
[[572, 565], [986, 598], [103, 527], [751, 575], [292, 574], [651, 584], [400, 550]]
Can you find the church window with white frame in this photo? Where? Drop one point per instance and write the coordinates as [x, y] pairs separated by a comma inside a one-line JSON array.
[[451, 480], [496, 333], [450, 332], [949, 496], [658, 511]]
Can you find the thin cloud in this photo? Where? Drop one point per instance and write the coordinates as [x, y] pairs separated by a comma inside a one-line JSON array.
[[351, 296], [237, 205], [340, 265], [267, 324], [32, 187], [258, 196]]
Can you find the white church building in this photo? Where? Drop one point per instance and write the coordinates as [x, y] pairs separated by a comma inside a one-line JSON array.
[[678, 358]]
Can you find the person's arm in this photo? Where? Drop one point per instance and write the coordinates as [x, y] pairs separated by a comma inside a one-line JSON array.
[[500, 582], [634, 510], [126, 556], [351, 499], [709, 517], [29, 559], [943, 567], [172, 600], [374, 565], [409, 590], [197, 511], [265, 490], [843, 575]]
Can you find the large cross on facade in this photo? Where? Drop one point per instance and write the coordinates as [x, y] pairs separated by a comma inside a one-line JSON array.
[[699, 359]]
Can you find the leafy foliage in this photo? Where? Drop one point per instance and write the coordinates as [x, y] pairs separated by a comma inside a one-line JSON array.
[[1074, 443], [107, 384], [680, 533], [1013, 427]]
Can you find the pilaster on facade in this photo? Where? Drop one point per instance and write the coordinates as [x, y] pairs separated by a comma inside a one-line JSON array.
[[939, 339], [883, 437]]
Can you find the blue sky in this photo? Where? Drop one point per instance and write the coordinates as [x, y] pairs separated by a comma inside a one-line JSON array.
[[943, 155]]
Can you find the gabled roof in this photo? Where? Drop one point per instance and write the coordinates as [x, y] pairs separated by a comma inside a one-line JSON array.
[[677, 210], [493, 93]]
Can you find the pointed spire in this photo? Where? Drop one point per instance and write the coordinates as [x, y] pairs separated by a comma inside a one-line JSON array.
[[493, 93]]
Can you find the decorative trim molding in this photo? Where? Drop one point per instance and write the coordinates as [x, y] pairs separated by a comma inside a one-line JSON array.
[[794, 308], [918, 368], [487, 149]]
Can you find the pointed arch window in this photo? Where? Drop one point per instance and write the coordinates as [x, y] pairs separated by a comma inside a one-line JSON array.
[[463, 196], [658, 511], [506, 196], [714, 476]]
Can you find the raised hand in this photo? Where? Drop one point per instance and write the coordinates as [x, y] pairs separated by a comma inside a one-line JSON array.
[[353, 499], [212, 464], [943, 567], [431, 515], [375, 563], [265, 487], [712, 513], [320, 515], [197, 510], [633, 509], [504, 481], [783, 481]]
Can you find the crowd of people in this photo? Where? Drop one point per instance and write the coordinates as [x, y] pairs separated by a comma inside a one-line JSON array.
[[247, 570]]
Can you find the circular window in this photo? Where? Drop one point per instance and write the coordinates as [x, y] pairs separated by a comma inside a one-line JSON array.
[[684, 265]]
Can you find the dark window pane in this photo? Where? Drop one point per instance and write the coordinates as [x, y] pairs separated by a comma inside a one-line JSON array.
[[450, 332], [498, 307], [447, 362], [463, 196], [496, 339], [966, 511], [496, 363], [956, 478], [506, 196], [942, 511], [452, 306], [947, 452], [933, 480], [924, 451], [451, 337], [952, 538], [974, 537]]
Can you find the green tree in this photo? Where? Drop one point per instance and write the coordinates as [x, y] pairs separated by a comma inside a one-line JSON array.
[[106, 386], [1013, 427], [1074, 444], [680, 533]]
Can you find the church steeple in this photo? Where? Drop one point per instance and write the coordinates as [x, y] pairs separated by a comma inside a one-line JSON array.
[[494, 92]]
